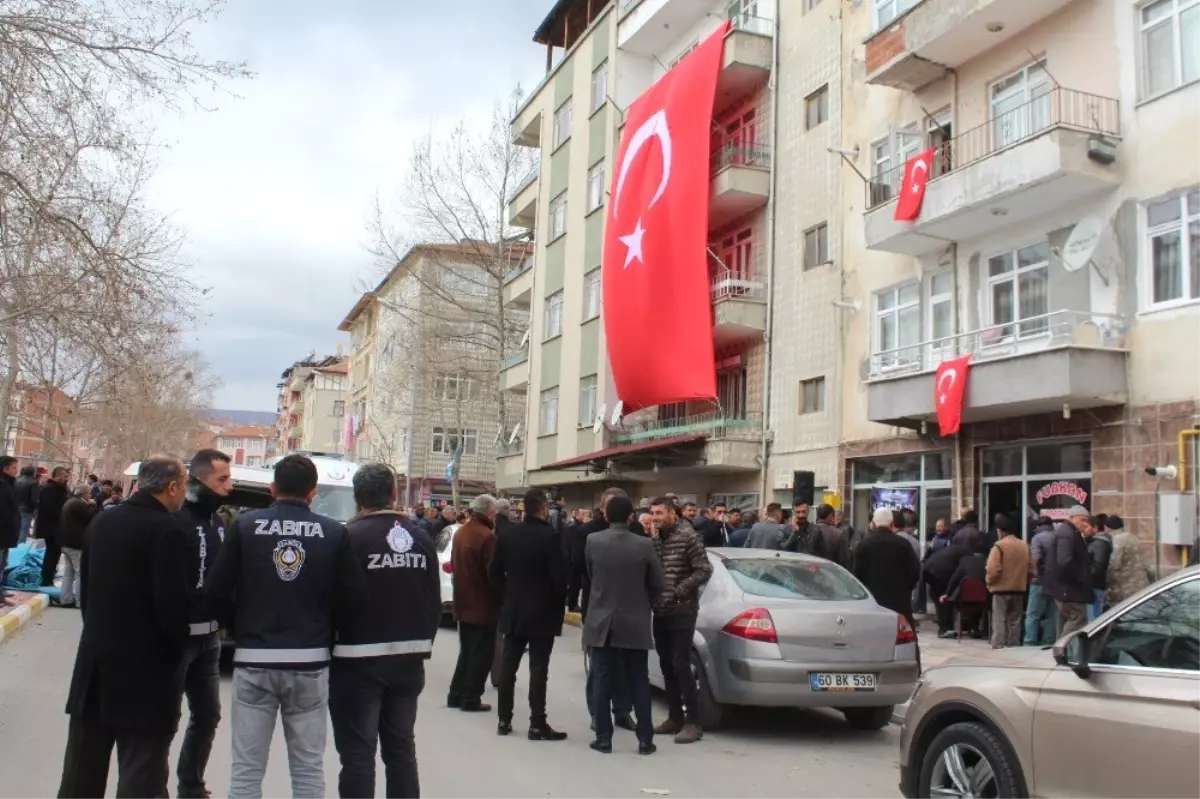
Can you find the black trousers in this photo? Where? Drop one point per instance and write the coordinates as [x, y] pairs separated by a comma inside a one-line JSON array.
[[610, 665], [673, 642], [540, 649], [574, 585], [620, 699], [200, 682], [943, 610], [50, 561], [476, 648], [142, 761], [373, 705]]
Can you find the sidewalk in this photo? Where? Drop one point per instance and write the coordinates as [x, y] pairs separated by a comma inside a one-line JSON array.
[[14, 617]]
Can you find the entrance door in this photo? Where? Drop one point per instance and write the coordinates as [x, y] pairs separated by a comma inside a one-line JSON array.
[[938, 503]]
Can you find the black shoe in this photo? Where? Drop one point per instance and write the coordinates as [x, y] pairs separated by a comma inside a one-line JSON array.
[[475, 707], [625, 722], [603, 747], [647, 749], [593, 724], [544, 732], [453, 702], [504, 728]]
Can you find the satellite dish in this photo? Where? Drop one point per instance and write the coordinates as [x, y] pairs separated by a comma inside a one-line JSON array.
[[616, 417], [516, 430], [599, 423], [1082, 243]]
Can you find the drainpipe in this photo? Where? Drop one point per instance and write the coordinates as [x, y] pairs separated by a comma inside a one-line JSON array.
[[960, 480], [773, 84]]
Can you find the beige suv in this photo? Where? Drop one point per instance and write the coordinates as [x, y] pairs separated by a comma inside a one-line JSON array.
[[1113, 710]]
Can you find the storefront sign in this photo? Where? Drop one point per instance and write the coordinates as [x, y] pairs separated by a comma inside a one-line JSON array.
[[894, 498], [1056, 499]]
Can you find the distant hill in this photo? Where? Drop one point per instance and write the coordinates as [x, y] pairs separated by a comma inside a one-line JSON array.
[[241, 417]]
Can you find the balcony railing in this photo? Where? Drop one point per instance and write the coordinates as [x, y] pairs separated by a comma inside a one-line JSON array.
[[1020, 337], [526, 183], [1058, 108], [520, 269], [752, 24], [516, 359], [748, 154], [716, 424], [726, 284]]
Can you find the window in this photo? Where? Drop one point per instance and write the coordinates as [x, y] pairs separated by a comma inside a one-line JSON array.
[[587, 401], [816, 246], [455, 388], [595, 187], [548, 412], [731, 392], [812, 395], [1170, 45], [562, 123], [339, 408], [735, 251], [446, 440], [1163, 632], [592, 292], [939, 320], [1020, 105], [465, 282], [888, 158], [1017, 290], [816, 107], [552, 321], [887, 10], [558, 216], [600, 87], [742, 11], [1173, 255], [897, 324]]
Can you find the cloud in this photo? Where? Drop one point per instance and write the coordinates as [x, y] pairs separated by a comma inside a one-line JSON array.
[[275, 186]]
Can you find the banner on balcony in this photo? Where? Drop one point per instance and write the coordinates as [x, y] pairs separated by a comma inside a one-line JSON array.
[[949, 393], [912, 192], [657, 317]]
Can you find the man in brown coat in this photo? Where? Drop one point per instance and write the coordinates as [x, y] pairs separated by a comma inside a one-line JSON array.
[[476, 605], [1009, 568]]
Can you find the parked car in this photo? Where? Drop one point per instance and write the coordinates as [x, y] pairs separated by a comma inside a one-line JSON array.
[[779, 629], [444, 544], [1112, 710]]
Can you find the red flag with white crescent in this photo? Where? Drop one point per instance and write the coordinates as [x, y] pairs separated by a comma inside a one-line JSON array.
[[657, 317], [912, 191], [949, 393]]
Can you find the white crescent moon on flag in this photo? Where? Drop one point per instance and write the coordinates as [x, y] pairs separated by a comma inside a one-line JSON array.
[[953, 375], [920, 164], [654, 127]]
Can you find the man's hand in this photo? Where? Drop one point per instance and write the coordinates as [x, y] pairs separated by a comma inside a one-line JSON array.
[[944, 599]]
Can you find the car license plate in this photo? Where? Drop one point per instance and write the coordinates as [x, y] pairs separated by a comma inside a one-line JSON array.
[[842, 683]]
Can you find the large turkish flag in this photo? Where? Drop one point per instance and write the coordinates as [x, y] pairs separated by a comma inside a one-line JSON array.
[[657, 308], [949, 392]]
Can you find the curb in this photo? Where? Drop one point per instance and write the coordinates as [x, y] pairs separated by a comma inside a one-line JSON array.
[[22, 614], [572, 619]]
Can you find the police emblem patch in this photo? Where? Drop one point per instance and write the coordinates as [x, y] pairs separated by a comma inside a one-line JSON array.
[[289, 559], [399, 539]]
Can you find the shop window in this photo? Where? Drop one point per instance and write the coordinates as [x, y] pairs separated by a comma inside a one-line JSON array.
[[1003, 461], [1074, 457]]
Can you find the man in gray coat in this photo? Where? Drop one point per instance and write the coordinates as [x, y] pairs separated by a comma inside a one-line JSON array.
[[626, 579]]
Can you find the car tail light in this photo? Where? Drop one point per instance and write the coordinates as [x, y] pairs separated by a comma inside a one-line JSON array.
[[753, 625], [905, 634], [448, 567]]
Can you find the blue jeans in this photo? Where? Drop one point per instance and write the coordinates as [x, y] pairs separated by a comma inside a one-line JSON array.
[[26, 523], [1097, 607], [1041, 611]]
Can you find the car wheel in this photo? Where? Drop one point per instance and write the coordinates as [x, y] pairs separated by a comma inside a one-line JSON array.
[[868, 718], [969, 759], [709, 711]]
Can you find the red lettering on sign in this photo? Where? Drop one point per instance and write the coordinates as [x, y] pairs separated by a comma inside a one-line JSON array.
[[1061, 488]]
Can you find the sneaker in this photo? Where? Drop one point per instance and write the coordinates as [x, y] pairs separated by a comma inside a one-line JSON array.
[[504, 728], [689, 734], [647, 749], [603, 747], [544, 732], [668, 727]]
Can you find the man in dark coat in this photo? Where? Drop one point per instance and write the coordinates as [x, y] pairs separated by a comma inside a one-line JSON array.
[[1067, 571], [10, 515], [972, 566], [530, 572], [837, 541], [969, 535], [626, 580], [53, 495], [476, 606], [27, 499], [134, 597], [886, 564], [939, 568]]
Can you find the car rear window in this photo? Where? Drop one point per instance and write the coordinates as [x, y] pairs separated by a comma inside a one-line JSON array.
[[789, 579]]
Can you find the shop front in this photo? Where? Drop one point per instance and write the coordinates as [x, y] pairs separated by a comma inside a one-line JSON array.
[[920, 481], [1037, 479]]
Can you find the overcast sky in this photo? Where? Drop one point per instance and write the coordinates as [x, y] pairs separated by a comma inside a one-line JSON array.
[[274, 188]]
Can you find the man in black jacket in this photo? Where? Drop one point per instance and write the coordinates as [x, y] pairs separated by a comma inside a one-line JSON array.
[[528, 569], [10, 516], [209, 483], [1067, 572], [287, 577], [378, 669], [53, 495], [135, 609], [27, 499], [886, 564], [939, 568]]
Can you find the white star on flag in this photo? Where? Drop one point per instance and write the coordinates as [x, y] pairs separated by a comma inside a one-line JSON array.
[[633, 243]]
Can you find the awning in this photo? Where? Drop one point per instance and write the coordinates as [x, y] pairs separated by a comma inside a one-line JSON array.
[[626, 449]]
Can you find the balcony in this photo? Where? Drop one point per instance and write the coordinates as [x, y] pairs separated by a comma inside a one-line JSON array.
[[939, 35], [1035, 159], [741, 181], [730, 442], [1070, 359], [649, 27], [739, 309], [517, 290], [526, 126], [522, 206], [510, 466], [514, 372], [746, 63]]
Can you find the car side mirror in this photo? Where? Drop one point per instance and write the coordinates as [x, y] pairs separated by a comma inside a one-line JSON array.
[[1072, 652]]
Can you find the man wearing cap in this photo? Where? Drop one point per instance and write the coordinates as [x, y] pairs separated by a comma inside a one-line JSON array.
[[1067, 573]]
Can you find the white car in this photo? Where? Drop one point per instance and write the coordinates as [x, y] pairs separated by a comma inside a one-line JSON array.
[[444, 542]]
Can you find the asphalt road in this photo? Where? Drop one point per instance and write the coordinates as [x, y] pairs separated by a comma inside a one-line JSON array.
[[763, 753]]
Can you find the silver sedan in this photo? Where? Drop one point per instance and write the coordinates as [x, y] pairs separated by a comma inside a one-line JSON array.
[[777, 629]]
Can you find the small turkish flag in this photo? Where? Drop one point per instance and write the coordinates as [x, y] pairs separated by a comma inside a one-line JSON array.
[[912, 193], [949, 391]]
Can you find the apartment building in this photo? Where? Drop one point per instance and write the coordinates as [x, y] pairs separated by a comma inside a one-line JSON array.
[[41, 429], [600, 58], [425, 350], [1058, 244], [312, 405]]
